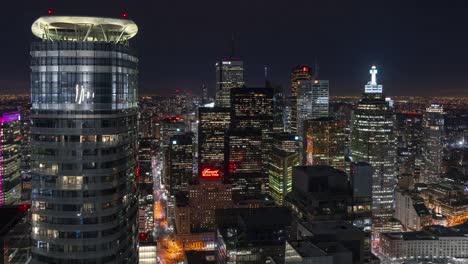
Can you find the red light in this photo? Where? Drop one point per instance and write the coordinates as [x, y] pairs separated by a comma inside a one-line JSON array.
[[124, 14], [142, 236], [23, 208], [304, 69], [232, 167], [50, 12], [177, 90], [210, 173], [137, 173]]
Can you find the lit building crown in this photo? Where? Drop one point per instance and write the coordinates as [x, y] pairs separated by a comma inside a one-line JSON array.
[[372, 86]]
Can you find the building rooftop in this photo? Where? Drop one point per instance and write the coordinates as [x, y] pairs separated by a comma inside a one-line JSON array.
[[11, 215], [200, 257], [83, 28], [433, 232], [330, 227]]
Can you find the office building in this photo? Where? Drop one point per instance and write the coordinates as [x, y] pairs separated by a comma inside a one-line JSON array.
[[409, 140], [10, 158], [229, 74], [212, 125], [304, 104], [373, 141], [279, 108], [324, 142], [180, 162], [433, 146], [251, 235], [84, 83], [244, 161], [253, 108], [283, 156], [320, 98], [300, 80], [320, 193]]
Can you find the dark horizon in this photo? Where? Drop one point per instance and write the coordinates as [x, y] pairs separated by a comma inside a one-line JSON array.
[[420, 49]]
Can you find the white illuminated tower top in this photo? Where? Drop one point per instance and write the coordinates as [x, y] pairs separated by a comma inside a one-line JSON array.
[[372, 86]]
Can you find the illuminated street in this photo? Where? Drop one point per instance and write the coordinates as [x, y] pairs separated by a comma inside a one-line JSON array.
[[168, 250]]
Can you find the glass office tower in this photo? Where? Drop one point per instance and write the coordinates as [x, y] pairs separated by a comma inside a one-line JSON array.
[[10, 143], [300, 85], [373, 140], [229, 74], [433, 145], [84, 79]]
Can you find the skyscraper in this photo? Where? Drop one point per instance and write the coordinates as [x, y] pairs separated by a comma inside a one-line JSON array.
[[244, 160], [180, 162], [432, 147], [212, 125], [283, 156], [83, 137], [10, 158], [373, 141], [324, 142], [304, 104], [320, 98], [229, 74], [300, 76], [253, 108]]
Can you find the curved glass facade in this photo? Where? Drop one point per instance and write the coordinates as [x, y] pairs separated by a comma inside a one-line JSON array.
[[83, 141]]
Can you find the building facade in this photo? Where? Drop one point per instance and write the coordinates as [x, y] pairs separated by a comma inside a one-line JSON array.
[[84, 80], [180, 163], [324, 142], [320, 98], [433, 243], [283, 156], [244, 162], [253, 108]]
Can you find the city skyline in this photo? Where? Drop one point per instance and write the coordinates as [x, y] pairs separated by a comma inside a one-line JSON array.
[[230, 165], [419, 49]]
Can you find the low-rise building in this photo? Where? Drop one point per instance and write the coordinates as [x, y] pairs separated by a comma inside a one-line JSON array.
[[431, 243]]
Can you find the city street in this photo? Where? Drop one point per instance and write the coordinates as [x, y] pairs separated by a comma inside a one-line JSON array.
[[168, 250]]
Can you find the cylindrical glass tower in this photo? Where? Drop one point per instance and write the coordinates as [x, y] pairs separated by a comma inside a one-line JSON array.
[[84, 81]]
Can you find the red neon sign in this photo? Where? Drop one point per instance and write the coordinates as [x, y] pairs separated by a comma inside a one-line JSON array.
[[210, 173]]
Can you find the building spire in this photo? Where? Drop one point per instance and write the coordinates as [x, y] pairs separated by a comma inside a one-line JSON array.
[[373, 71], [317, 68]]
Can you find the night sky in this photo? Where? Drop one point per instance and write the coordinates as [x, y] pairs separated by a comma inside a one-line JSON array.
[[420, 47]]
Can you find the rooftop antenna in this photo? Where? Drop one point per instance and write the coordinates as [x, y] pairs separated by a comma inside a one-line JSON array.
[[317, 68], [232, 45], [266, 75]]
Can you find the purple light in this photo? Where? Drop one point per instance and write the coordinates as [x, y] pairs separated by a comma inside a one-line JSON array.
[[5, 118], [10, 117], [1, 162]]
